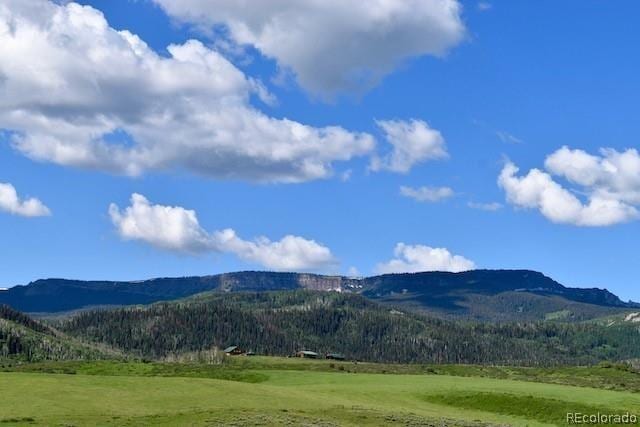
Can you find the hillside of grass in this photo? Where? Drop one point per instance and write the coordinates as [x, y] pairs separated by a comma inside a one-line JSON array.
[[281, 323]]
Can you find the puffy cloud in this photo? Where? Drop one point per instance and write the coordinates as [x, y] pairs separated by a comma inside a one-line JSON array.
[[76, 92], [427, 194], [166, 227], [332, 45], [413, 142], [178, 229], [613, 174], [289, 253], [490, 207], [11, 202], [416, 258], [610, 182]]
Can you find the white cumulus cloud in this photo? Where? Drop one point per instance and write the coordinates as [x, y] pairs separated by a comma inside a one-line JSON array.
[[609, 185], [416, 258], [12, 203], [76, 92], [178, 229], [612, 174], [412, 142], [332, 45], [166, 227], [288, 253], [427, 194]]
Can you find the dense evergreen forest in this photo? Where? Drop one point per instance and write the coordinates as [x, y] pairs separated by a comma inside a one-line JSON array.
[[280, 323], [25, 339]]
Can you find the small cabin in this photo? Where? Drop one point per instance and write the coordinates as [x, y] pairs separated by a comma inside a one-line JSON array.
[[334, 356], [307, 354], [233, 350]]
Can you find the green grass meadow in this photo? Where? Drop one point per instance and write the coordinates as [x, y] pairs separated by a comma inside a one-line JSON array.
[[289, 392]]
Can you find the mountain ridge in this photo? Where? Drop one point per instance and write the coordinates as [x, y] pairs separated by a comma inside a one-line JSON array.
[[443, 292]]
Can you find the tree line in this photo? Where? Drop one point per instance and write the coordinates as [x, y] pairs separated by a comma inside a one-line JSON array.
[[281, 323]]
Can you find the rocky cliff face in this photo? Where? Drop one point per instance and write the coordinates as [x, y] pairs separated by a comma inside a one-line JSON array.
[[265, 281], [256, 281], [328, 283]]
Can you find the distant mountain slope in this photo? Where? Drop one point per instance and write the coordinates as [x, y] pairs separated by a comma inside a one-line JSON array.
[[479, 294], [280, 323], [493, 295], [25, 339], [56, 295], [448, 287]]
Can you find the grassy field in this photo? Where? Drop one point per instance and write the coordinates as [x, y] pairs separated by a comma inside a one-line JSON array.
[[264, 391]]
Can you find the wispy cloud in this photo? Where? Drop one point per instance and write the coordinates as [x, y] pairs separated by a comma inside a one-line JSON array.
[[505, 136], [490, 207], [427, 194]]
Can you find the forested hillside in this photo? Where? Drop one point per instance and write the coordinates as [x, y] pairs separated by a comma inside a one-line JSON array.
[[25, 339], [280, 323], [493, 295]]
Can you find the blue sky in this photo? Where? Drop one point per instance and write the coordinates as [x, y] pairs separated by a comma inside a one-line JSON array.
[[512, 84]]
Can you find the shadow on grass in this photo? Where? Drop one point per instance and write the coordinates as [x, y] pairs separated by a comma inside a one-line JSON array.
[[532, 408]]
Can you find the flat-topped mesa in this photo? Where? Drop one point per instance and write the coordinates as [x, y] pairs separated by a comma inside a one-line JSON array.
[[452, 292]]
